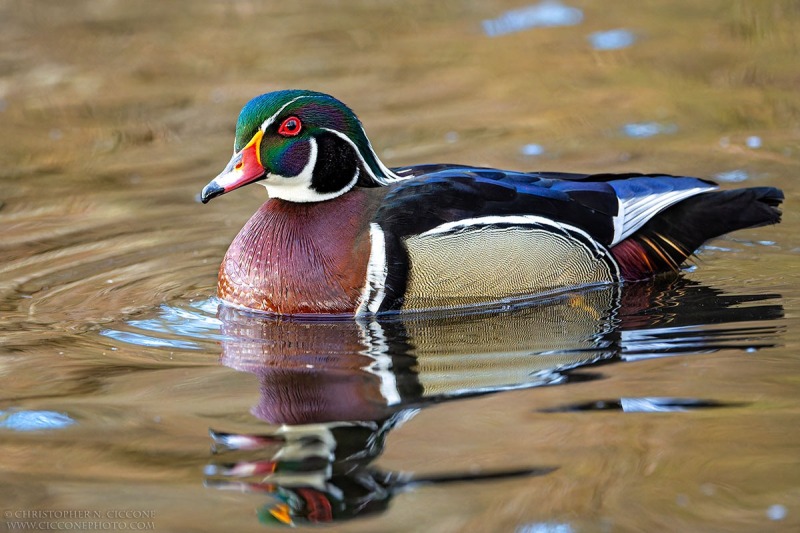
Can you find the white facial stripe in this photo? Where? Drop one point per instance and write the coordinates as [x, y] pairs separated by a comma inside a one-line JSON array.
[[391, 176], [270, 120], [375, 285], [290, 187], [298, 188]]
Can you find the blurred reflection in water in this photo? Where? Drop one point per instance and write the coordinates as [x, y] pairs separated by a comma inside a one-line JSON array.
[[335, 389]]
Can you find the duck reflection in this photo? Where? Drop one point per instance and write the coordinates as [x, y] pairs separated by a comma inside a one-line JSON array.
[[336, 388]]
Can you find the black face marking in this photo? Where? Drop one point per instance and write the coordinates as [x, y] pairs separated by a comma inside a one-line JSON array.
[[336, 166]]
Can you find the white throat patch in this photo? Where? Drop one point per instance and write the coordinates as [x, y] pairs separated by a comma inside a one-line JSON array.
[[298, 188]]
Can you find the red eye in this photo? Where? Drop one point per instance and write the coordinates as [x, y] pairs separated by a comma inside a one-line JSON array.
[[290, 127]]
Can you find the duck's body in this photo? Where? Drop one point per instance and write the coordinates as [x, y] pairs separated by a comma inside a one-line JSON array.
[[343, 234]]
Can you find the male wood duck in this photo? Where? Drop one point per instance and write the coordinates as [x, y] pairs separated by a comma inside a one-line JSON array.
[[341, 233]]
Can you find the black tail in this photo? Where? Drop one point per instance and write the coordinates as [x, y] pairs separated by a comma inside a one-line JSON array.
[[674, 234]]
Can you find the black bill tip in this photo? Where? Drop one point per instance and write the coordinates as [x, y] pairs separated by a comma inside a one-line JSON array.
[[210, 191]]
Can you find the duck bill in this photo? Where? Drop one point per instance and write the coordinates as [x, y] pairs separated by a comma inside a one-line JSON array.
[[243, 168], [282, 513]]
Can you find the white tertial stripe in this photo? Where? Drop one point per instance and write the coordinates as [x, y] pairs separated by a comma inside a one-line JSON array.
[[375, 285], [636, 211], [391, 177]]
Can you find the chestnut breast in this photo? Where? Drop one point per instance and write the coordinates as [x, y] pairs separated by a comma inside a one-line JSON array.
[[294, 258]]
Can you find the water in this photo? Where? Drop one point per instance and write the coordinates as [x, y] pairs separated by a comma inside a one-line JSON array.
[[667, 405]]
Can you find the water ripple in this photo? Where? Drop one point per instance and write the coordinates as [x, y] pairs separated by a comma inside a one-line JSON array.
[[174, 327]]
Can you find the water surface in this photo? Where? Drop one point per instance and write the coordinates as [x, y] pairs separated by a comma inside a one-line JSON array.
[[666, 405]]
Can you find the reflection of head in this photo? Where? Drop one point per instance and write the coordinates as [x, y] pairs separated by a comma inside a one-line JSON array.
[[301, 504], [297, 505], [306, 505], [278, 514]]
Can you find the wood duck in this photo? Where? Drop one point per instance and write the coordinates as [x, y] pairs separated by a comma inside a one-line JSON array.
[[341, 233]]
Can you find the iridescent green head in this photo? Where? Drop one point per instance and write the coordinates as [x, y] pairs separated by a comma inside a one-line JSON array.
[[303, 146]]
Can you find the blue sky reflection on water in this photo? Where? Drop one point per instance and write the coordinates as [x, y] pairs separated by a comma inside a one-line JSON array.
[[612, 39], [547, 14], [22, 420]]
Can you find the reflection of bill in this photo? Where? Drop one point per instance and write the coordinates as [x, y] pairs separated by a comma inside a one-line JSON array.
[[336, 388], [321, 473]]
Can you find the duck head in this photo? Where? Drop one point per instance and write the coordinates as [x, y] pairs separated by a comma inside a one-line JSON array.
[[303, 146]]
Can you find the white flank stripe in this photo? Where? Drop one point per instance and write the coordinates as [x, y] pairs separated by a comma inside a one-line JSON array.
[[374, 288]]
